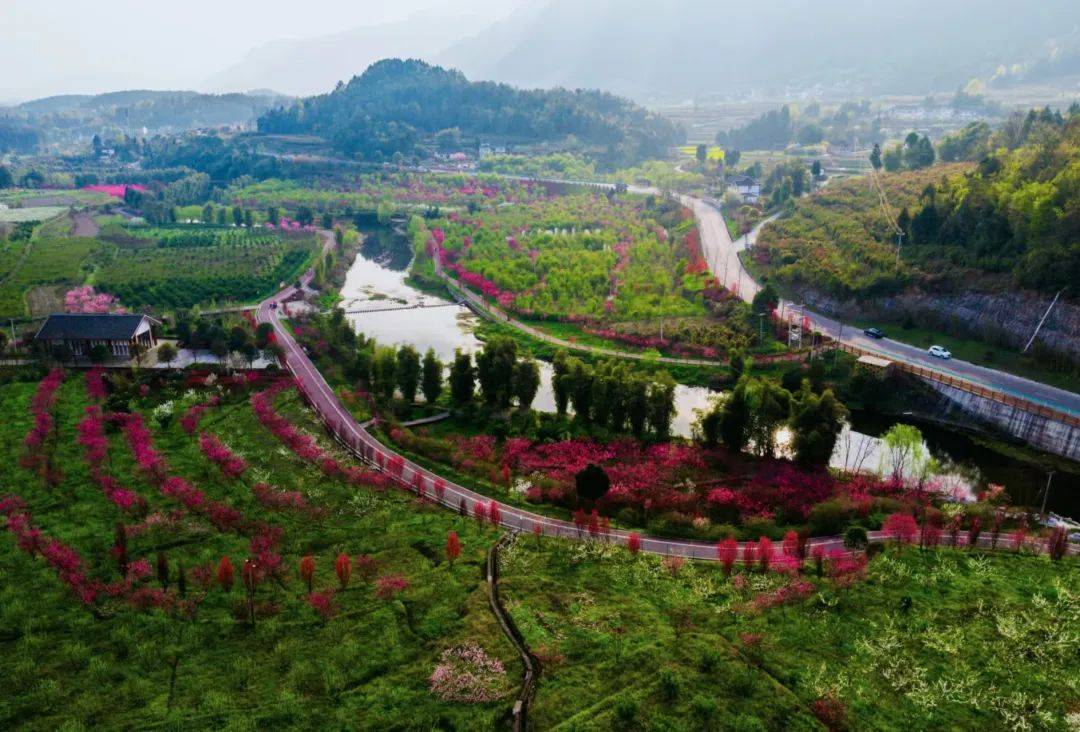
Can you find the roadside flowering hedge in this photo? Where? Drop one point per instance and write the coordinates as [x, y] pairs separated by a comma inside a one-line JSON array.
[[303, 445]]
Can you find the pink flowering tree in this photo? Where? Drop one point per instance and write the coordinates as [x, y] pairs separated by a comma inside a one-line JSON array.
[[467, 674], [86, 299]]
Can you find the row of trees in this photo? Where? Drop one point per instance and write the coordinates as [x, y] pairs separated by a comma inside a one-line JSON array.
[[757, 408], [211, 335], [612, 395], [914, 154]]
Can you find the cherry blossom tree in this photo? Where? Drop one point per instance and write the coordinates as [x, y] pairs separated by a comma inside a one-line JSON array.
[[900, 527]]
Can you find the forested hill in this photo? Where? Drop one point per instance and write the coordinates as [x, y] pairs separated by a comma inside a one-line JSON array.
[[1011, 220], [396, 104]]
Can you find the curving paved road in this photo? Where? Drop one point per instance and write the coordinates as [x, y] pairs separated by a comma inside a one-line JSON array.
[[722, 255], [361, 443]]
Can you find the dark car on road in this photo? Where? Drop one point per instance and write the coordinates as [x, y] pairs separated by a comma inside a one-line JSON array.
[[874, 333]]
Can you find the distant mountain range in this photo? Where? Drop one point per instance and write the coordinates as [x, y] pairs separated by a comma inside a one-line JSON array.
[[694, 47], [71, 118], [309, 65]]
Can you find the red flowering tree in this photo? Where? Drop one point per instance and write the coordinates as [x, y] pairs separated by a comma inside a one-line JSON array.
[[453, 547], [343, 569], [900, 527], [727, 551], [1057, 543], [765, 553], [225, 574], [633, 543], [790, 546], [307, 571], [1020, 535]]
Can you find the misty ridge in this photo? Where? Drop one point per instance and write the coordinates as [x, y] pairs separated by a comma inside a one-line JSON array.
[[693, 47]]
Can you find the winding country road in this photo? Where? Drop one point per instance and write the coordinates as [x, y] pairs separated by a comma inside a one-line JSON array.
[[722, 254], [361, 443]]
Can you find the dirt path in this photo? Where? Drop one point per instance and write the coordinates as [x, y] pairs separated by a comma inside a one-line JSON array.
[[83, 224]]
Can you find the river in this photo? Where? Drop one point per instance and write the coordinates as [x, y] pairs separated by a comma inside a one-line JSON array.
[[377, 280]]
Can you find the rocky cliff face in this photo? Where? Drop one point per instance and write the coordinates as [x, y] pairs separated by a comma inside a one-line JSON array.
[[1006, 319]]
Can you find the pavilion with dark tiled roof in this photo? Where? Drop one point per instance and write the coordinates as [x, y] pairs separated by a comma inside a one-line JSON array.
[[81, 332]]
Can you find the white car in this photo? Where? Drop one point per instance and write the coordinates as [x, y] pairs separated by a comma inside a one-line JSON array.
[[940, 352]]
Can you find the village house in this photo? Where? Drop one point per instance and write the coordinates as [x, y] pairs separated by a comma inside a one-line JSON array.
[[747, 187], [82, 332]]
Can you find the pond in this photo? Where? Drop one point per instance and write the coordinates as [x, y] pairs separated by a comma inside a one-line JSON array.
[[376, 280]]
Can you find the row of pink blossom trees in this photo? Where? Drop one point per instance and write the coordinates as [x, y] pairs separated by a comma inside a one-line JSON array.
[[303, 445], [38, 451], [68, 564], [904, 529]]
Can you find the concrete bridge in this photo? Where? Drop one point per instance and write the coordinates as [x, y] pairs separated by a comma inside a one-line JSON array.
[[391, 308]]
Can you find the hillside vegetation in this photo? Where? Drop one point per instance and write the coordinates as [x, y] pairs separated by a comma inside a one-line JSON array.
[[394, 104], [1011, 221]]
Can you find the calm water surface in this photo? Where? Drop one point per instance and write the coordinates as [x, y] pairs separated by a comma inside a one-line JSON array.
[[377, 280]]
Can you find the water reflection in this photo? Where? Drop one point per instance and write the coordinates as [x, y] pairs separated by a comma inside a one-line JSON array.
[[378, 277]]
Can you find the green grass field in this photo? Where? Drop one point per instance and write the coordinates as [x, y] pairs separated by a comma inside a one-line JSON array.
[[367, 668], [985, 642]]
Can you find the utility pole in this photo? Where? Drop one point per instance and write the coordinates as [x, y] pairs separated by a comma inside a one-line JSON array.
[[1046, 493], [899, 240]]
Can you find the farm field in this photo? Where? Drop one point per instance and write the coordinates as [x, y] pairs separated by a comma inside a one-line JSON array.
[[37, 262], [183, 268], [159, 269], [628, 270], [30, 213]]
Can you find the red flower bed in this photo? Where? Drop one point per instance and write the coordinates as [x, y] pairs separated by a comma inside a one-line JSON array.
[[232, 465], [675, 479], [304, 445], [63, 559], [36, 457]]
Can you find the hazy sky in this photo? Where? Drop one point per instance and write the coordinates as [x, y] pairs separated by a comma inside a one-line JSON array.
[[83, 46]]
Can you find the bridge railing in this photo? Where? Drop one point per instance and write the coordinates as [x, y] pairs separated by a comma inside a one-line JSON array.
[[970, 387]]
